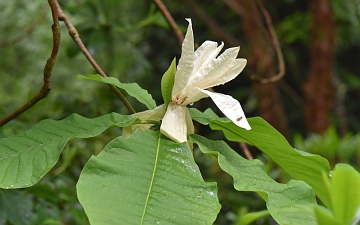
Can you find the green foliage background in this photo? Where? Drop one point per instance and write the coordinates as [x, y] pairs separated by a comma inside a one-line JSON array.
[[132, 42]]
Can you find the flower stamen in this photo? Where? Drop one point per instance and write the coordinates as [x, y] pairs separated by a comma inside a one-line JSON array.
[[184, 99]]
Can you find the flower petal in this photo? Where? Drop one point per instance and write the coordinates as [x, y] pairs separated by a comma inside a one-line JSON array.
[[186, 62], [218, 71], [230, 107], [174, 123], [205, 53], [195, 95], [153, 114], [127, 131]]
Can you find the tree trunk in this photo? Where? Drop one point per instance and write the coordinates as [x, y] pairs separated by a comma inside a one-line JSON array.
[[318, 87], [262, 63]]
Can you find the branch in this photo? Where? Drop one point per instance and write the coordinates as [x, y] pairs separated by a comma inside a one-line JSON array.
[[179, 35], [215, 29], [76, 37], [27, 31], [246, 151], [236, 7], [277, 47], [47, 69]]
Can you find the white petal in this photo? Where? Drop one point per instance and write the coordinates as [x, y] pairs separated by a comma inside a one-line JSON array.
[[205, 53], [174, 123], [186, 62], [216, 72], [230, 107], [127, 131], [152, 114], [195, 95]]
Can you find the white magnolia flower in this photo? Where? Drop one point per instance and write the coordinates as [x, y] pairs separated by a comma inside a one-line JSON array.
[[197, 71]]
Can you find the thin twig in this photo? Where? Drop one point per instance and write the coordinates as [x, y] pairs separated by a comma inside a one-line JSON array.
[[277, 47], [236, 7], [76, 37], [179, 35], [246, 151], [47, 69], [213, 26], [26, 31]]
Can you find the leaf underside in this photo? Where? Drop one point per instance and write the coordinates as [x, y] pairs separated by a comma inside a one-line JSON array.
[[287, 203], [133, 89], [146, 179], [27, 157], [300, 165]]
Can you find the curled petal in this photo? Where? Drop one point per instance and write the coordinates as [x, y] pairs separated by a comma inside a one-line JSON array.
[[216, 72], [174, 123], [195, 95], [205, 53], [127, 131], [230, 107], [153, 114], [186, 62]]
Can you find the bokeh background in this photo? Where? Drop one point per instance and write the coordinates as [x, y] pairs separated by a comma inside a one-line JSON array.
[[315, 105]]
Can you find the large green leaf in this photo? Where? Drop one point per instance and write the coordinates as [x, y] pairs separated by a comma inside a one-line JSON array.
[[287, 203], [248, 218], [167, 82], [146, 179], [133, 89], [205, 117], [325, 217], [343, 189], [300, 165], [27, 157]]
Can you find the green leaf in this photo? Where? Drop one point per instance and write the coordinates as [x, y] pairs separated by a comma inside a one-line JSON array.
[[203, 117], [167, 82], [345, 194], [133, 89], [146, 179], [300, 165], [27, 157], [251, 217], [16, 208], [325, 217], [287, 203]]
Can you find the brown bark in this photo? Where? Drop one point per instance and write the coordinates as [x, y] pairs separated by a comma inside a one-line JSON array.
[[262, 63], [318, 87]]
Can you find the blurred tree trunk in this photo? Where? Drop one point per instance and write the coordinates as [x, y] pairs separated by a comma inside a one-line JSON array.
[[262, 63], [318, 87]]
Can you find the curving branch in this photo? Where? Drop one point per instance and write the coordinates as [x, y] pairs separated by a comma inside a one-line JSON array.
[[44, 91], [179, 35], [76, 37], [277, 47]]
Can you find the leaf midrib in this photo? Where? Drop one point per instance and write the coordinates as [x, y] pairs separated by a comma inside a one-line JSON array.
[[152, 180]]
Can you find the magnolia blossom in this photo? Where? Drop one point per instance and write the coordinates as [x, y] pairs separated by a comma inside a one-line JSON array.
[[197, 71]]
